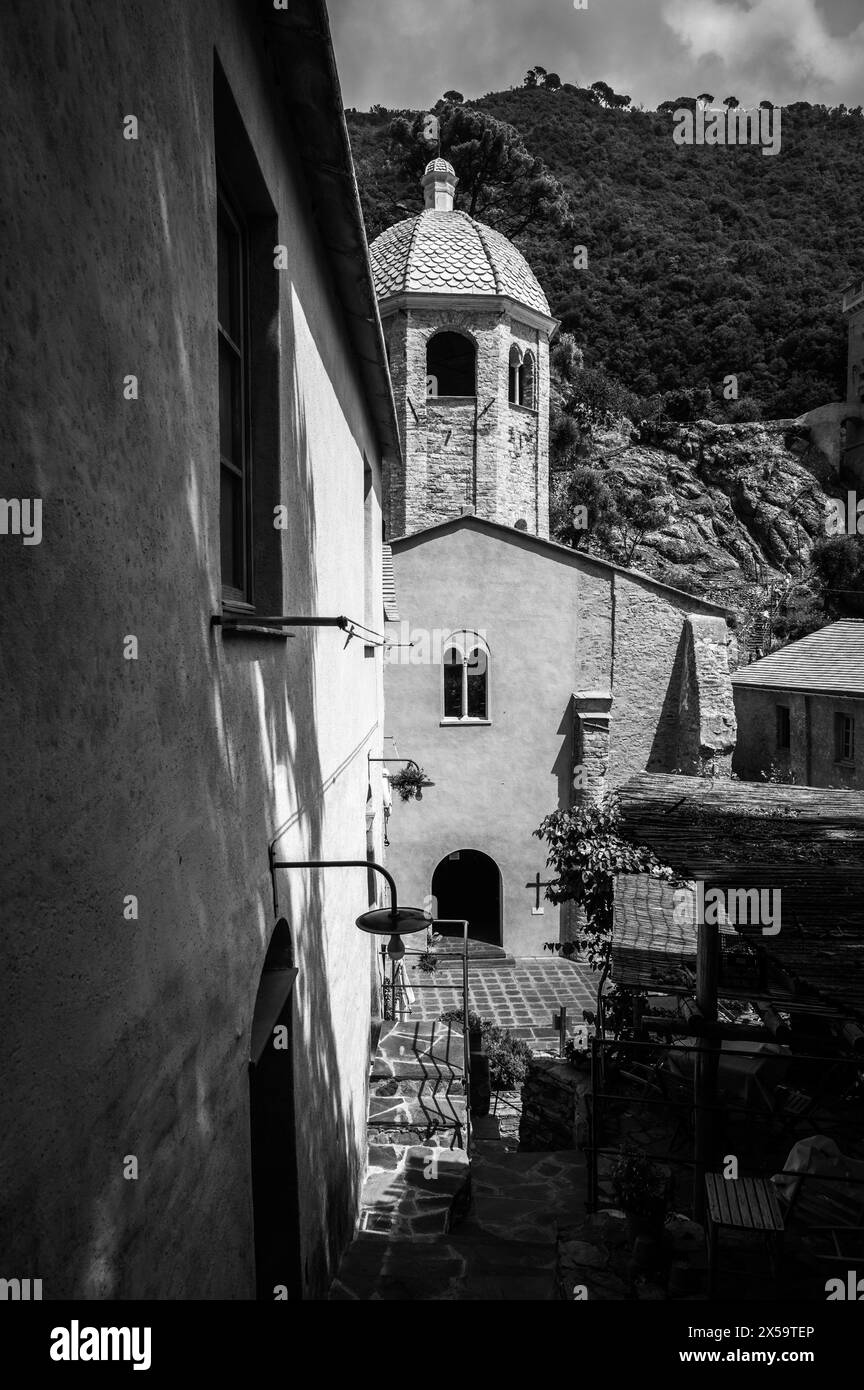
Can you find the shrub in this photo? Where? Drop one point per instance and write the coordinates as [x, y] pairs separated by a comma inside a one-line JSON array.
[[508, 1056], [640, 1186], [475, 1022]]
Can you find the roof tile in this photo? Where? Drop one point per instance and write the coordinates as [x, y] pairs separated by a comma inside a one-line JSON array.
[[451, 253], [830, 660]]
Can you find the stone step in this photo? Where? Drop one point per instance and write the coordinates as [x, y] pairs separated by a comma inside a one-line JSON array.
[[430, 1112], [419, 1051], [481, 954], [417, 1086], [424, 1193], [452, 1268], [415, 1134], [396, 1270]]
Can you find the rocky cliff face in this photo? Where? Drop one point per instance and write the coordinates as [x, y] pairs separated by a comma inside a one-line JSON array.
[[742, 502]]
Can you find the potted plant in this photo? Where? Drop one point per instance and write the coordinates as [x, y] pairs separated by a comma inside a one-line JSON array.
[[409, 783], [577, 1052], [641, 1190]]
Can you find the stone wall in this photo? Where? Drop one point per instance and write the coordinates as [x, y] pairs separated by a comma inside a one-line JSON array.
[[810, 758], [479, 451], [649, 666], [450, 425], [706, 710], [553, 1106]]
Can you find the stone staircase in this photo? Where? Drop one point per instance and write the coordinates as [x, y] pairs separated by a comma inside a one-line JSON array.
[[418, 1175], [430, 1228]]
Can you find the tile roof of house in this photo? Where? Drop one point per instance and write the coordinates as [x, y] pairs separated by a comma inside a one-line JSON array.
[[452, 253], [830, 660]]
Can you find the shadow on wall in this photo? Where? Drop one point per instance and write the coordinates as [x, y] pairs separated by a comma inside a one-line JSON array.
[[676, 741], [134, 1037], [562, 768]]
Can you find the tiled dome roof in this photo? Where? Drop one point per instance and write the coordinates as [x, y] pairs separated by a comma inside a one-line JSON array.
[[451, 253]]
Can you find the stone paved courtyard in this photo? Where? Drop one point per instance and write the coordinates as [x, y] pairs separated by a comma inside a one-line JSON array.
[[521, 997]]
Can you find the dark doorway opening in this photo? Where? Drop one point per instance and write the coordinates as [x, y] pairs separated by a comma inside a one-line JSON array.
[[468, 884], [274, 1144]]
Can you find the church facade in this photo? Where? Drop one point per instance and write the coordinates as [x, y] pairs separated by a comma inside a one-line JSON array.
[[522, 676]]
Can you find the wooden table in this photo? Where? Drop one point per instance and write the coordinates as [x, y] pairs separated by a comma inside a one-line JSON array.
[[742, 1204]]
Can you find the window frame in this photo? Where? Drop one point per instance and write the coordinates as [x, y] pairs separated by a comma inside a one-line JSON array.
[[228, 206], [783, 727], [528, 383], [514, 375], [464, 640], [844, 724]]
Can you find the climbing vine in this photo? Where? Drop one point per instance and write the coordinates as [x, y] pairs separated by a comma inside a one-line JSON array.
[[587, 850]]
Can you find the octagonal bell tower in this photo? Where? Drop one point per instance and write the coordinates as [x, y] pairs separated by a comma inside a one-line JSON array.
[[468, 330]]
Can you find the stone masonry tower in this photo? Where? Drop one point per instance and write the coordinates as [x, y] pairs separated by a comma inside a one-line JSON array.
[[467, 328]]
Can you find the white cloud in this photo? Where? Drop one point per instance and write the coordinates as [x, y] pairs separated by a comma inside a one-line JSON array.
[[771, 40]]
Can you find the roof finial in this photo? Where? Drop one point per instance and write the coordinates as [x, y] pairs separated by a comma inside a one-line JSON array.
[[439, 185]]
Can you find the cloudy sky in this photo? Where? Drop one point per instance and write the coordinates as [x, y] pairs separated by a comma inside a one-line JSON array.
[[406, 53]]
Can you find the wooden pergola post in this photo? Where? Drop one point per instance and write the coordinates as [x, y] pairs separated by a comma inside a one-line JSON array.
[[707, 1058]]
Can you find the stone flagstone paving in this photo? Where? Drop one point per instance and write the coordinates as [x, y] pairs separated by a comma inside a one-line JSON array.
[[505, 1248], [521, 997]]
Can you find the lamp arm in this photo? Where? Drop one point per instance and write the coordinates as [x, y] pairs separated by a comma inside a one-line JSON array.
[[341, 864]]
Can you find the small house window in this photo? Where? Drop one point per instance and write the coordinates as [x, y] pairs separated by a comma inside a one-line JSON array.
[[783, 729], [451, 365], [466, 678], [844, 738], [233, 379], [250, 368], [513, 382], [527, 382]]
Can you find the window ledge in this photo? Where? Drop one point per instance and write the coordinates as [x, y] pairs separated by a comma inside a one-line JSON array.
[[844, 762], [457, 723], [525, 409], [252, 630]]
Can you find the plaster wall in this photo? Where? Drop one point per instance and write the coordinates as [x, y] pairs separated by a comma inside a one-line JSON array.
[[165, 777], [811, 729], [555, 624]]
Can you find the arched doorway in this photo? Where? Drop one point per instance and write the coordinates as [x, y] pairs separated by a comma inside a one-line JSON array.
[[274, 1151], [467, 883]]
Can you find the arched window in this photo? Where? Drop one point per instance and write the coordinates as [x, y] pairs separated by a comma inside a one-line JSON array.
[[451, 364], [466, 677], [513, 375], [527, 382]]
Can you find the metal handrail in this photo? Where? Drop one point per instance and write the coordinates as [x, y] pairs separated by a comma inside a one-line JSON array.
[[466, 1041], [466, 1037]]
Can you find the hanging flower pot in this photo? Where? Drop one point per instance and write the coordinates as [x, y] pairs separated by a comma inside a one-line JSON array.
[[428, 962], [409, 783]]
